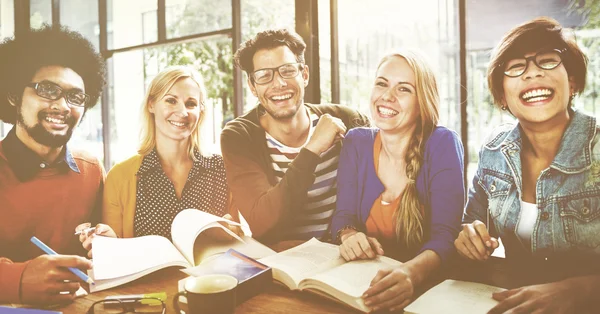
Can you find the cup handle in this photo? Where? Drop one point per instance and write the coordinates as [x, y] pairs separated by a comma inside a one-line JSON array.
[[176, 301]]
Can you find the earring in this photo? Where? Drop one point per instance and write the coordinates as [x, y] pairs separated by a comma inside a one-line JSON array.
[[573, 96], [504, 108]]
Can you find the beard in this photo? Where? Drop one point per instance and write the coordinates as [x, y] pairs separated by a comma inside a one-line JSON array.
[[282, 115], [39, 133]]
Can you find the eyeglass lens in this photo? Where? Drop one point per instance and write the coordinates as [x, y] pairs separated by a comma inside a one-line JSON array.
[[286, 71], [52, 91], [546, 60]]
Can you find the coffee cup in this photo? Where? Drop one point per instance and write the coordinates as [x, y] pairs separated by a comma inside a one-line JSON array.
[[208, 294]]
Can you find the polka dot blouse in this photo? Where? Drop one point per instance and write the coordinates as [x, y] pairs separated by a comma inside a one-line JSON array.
[[156, 201]]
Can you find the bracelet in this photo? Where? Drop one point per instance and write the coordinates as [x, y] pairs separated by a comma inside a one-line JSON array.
[[338, 236]]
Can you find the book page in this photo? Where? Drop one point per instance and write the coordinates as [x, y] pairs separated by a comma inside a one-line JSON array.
[[353, 278], [207, 247], [114, 257], [305, 260], [455, 296], [189, 223]]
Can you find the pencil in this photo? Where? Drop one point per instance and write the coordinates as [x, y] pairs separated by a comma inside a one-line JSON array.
[[50, 251], [86, 230]]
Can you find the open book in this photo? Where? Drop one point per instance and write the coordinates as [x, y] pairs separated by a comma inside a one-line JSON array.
[[197, 237], [318, 267], [455, 296]]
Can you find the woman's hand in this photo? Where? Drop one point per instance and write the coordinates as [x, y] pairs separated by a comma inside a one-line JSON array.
[[391, 289], [474, 242], [558, 297], [356, 245], [235, 229], [86, 237]]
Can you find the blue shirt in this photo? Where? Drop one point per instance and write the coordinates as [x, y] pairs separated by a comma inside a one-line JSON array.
[[440, 186]]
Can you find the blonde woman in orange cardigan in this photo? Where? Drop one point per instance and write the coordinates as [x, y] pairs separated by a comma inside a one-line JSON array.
[[171, 172]]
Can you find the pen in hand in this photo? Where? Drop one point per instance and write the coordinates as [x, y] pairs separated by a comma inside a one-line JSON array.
[[85, 231], [50, 251]]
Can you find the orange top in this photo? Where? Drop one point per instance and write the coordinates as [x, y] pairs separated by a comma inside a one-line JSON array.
[[380, 223]]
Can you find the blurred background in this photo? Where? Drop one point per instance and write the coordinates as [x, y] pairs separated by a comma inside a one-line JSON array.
[[345, 38]]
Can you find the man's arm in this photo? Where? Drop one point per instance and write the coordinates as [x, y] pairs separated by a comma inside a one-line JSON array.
[[263, 205]]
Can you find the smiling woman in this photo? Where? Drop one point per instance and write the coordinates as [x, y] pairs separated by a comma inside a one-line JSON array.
[[171, 171], [537, 177], [400, 185]]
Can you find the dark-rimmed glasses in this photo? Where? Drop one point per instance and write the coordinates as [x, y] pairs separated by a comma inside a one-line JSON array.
[[545, 60], [134, 305], [52, 91], [266, 75]]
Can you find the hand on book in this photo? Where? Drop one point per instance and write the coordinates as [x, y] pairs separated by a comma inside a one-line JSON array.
[[356, 245], [474, 242], [86, 237], [555, 297], [46, 276], [235, 229], [391, 289]]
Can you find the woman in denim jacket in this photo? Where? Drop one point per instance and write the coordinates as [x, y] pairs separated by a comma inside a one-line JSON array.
[[537, 185]]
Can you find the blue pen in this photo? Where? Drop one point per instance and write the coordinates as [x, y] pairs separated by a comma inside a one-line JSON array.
[[49, 251]]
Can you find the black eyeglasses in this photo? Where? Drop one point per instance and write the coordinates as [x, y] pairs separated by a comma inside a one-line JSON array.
[[135, 305], [52, 91], [545, 60], [286, 71]]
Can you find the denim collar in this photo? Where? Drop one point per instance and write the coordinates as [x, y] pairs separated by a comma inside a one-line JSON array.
[[575, 151], [25, 163]]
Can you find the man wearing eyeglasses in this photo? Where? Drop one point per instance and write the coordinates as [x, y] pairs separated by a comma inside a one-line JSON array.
[[50, 78], [281, 157]]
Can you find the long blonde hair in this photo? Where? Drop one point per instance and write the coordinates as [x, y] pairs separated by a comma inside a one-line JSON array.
[[408, 215], [159, 86]]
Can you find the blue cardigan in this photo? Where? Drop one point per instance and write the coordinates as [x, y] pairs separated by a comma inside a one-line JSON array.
[[440, 186]]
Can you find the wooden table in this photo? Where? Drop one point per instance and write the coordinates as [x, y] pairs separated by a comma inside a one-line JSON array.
[[276, 299]]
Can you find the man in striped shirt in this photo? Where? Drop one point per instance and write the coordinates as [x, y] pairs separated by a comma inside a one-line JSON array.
[[281, 157]]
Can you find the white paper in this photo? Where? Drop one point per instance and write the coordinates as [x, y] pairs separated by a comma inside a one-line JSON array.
[[499, 251], [115, 258], [454, 296], [189, 223]]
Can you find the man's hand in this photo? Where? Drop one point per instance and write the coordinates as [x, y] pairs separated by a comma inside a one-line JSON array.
[[356, 245], [557, 297], [86, 237], [328, 130], [474, 242], [391, 289], [46, 276]]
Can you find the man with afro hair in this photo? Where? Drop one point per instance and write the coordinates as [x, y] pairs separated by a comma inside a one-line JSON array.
[[49, 78]]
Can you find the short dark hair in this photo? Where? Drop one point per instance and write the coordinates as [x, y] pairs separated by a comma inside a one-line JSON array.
[[539, 33], [268, 39], [23, 56]]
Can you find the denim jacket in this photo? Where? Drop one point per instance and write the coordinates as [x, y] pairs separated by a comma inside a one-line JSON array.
[[567, 194]]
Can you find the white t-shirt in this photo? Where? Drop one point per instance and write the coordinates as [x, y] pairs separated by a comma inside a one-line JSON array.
[[529, 213]]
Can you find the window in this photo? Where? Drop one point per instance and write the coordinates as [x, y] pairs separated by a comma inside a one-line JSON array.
[[131, 73], [7, 29], [189, 17], [429, 26], [40, 12], [260, 15], [131, 22], [82, 16]]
